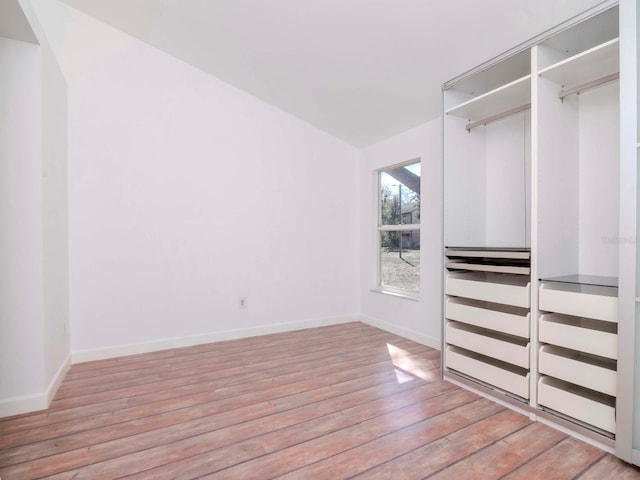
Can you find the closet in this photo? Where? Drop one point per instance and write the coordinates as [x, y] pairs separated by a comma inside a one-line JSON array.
[[578, 173], [532, 228]]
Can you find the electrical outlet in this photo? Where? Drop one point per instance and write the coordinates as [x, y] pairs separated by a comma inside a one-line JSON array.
[[242, 304]]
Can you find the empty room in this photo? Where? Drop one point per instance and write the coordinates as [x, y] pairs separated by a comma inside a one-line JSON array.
[[215, 260]]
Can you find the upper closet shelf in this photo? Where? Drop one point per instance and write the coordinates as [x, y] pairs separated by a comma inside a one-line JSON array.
[[507, 97], [484, 252], [591, 65]]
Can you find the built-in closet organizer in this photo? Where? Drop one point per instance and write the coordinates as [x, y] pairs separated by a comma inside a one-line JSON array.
[[531, 167], [487, 208], [487, 312], [578, 352], [578, 171]]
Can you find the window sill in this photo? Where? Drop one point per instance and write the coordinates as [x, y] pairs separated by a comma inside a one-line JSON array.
[[408, 295]]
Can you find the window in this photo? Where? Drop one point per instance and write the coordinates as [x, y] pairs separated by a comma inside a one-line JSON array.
[[399, 228]]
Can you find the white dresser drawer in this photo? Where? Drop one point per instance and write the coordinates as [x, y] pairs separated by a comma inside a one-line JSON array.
[[512, 380], [502, 318], [489, 344], [490, 287], [588, 407], [579, 369], [590, 301], [582, 334]]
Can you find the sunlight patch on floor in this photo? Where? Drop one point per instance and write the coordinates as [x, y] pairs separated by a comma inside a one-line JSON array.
[[408, 366]]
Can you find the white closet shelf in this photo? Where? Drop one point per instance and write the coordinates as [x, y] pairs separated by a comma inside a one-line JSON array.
[[489, 344], [589, 407], [492, 372], [581, 334], [502, 318], [585, 67], [481, 267], [578, 368], [488, 253], [591, 301], [504, 98], [490, 287]]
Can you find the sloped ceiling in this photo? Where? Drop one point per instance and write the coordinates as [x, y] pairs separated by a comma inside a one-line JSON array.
[[13, 23], [362, 70]]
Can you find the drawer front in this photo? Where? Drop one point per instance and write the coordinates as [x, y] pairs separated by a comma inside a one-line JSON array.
[[599, 307], [489, 346], [572, 370], [488, 373], [581, 408], [500, 321], [490, 292], [586, 340]]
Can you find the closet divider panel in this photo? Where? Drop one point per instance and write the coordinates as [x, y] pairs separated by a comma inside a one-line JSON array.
[[631, 341]]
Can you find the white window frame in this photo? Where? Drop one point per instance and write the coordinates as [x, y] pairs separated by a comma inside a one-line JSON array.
[[386, 289]]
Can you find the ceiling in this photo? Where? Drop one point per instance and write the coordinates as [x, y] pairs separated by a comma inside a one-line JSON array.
[[362, 70], [13, 23]]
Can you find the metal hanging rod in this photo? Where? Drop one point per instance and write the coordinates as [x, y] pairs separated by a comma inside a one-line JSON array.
[[493, 118], [589, 85]]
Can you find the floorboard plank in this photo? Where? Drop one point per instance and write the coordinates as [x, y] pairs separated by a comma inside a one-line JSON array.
[[504, 456], [611, 467], [382, 449], [565, 460], [434, 456], [284, 460]]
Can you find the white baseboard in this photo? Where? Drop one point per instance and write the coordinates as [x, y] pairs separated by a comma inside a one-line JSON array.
[[419, 337], [23, 404], [55, 382], [37, 401], [146, 347]]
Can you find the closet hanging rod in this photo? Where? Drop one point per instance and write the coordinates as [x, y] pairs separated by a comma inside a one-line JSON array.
[[497, 116], [589, 85]]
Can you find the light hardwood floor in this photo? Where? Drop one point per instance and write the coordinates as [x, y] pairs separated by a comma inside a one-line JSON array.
[[345, 401]]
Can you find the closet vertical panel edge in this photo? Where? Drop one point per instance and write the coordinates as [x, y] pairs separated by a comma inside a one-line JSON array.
[[533, 232], [443, 269], [628, 230]]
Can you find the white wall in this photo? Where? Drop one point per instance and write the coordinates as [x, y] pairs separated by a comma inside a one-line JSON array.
[[21, 288], [599, 180], [418, 320], [186, 194], [508, 195], [465, 163], [55, 218]]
